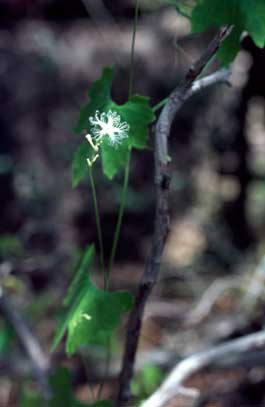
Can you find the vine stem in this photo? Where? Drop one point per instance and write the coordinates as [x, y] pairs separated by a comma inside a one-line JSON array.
[[99, 229], [136, 15], [107, 274], [127, 168], [120, 216], [108, 360]]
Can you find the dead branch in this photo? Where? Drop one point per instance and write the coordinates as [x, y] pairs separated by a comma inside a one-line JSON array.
[[220, 76], [39, 361], [165, 309], [162, 181], [230, 350], [256, 287], [209, 298]]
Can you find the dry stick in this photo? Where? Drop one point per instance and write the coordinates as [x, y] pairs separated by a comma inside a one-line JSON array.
[[255, 289], [162, 181], [209, 298], [214, 356], [39, 361]]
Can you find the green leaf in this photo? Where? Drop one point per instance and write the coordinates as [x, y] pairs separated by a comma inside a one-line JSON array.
[[244, 15], [30, 398], [147, 380], [96, 316], [6, 337], [113, 158], [136, 112], [60, 385], [92, 314], [184, 7], [10, 246], [60, 382], [79, 167], [81, 272], [99, 96], [74, 293]]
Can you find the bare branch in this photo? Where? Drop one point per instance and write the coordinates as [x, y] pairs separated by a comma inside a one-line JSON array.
[[162, 181], [209, 298], [256, 287], [221, 76], [193, 364], [39, 361]]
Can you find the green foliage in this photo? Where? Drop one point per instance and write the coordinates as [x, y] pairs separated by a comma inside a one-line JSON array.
[[10, 246], [184, 7], [60, 385], [113, 159], [30, 398], [92, 314], [62, 395], [147, 380], [6, 336], [136, 112], [244, 15], [79, 167]]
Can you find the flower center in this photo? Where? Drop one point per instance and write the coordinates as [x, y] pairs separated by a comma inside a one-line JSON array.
[[108, 125]]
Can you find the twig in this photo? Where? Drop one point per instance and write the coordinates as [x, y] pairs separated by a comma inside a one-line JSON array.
[[231, 350], [219, 76], [165, 309], [256, 287], [39, 361], [209, 298], [162, 181]]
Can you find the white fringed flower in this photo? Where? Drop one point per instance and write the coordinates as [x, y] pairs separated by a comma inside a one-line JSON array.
[[108, 125]]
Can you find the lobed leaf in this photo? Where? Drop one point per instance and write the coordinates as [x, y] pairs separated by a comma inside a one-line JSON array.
[[92, 314], [136, 112], [97, 314], [79, 166], [62, 395], [244, 15]]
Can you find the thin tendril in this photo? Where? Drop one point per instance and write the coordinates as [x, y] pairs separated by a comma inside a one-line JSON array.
[[127, 168], [99, 230], [120, 216], [136, 15], [124, 194], [108, 360]]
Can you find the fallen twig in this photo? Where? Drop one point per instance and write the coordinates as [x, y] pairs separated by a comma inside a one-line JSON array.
[[39, 361], [209, 298], [162, 180], [230, 350], [256, 287]]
